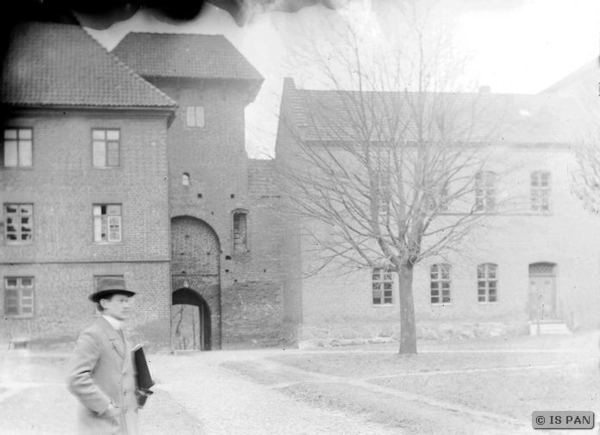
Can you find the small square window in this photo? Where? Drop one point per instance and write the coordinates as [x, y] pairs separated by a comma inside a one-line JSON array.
[[107, 223], [195, 116], [19, 223], [382, 286], [17, 148], [106, 146], [19, 296]]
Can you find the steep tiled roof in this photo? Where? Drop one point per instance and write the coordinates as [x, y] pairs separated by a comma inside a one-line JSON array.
[[61, 65], [334, 115], [184, 56]]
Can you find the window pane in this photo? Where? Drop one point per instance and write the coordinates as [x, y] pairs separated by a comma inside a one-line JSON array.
[[113, 154], [98, 233], [190, 117], [26, 282], [112, 134], [99, 151], [113, 210], [10, 133], [11, 282], [199, 116], [114, 225], [25, 153], [25, 133], [10, 153], [98, 135]]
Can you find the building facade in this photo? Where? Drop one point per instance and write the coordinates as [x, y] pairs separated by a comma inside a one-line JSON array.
[[73, 138], [134, 165], [534, 263]]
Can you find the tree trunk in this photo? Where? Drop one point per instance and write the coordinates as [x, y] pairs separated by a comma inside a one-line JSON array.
[[408, 332]]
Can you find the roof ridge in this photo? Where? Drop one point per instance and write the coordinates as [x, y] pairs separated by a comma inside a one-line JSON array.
[[130, 70], [134, 32]]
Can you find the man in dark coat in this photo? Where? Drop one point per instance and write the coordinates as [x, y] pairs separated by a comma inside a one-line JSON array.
[[101, 373]]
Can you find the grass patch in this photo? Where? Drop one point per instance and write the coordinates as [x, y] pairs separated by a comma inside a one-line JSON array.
[[367, 365], [515, 394]]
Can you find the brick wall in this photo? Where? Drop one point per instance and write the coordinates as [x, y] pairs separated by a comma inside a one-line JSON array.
[[63, 186], [221, 183], [62, 308], [336, 308]]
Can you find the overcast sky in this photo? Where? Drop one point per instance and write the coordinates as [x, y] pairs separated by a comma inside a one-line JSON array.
[[515, 46]]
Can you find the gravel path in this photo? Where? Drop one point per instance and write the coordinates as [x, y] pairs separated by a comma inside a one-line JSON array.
[[227, 404]]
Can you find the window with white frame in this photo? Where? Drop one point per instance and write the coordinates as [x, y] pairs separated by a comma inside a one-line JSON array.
[[540, 192], [18, 296], [19, 223], [485, 191], [487, 283], [381, 284], [440, 284], [240, 231], [17, 148], [195, 116], [106, 148], [107, 223]]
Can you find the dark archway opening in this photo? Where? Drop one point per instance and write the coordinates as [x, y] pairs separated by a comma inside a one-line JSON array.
[[191, 319]]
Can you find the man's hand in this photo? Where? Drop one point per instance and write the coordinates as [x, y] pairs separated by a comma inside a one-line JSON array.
[[112, 411]]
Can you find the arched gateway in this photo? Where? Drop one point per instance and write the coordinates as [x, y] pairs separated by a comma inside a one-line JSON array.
[[195, 266]]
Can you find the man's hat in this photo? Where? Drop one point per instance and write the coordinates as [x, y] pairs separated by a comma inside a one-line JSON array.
[[109, 286]]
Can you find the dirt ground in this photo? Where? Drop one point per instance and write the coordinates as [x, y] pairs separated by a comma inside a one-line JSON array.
[[451, 387], [501, 381]]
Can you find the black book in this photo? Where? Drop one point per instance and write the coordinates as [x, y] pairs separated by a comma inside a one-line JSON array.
[[143, 377]]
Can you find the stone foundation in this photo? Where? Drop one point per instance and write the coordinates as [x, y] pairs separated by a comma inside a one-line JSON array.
[[346, 335]]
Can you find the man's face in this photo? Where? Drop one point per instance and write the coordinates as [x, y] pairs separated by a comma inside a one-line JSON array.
[[117, 306]]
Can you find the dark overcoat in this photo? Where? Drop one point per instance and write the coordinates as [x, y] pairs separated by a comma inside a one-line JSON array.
[[101, 372]]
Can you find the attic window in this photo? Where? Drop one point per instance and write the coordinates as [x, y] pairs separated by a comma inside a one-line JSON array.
[[195, 116]]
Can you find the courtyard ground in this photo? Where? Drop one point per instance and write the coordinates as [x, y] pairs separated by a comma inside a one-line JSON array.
[[452, 387]]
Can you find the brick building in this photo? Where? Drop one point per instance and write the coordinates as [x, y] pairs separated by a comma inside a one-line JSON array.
[[539, 260], [133, 163], [138, 169], [78, 127]]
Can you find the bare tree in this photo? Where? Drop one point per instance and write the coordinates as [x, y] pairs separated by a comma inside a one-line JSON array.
[[392, 171], [586, 177]]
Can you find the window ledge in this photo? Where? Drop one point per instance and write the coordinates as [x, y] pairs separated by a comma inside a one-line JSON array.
[[19, 316], [383, 305]]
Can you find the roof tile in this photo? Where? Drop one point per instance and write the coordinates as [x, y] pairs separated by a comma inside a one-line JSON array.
[[51, 64], [184, 56]]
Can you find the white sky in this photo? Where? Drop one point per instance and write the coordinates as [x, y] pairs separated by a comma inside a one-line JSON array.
[[516, 46]]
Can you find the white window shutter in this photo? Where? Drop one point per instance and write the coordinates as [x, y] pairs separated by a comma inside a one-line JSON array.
[[114, 228]]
